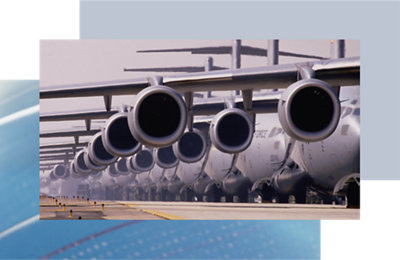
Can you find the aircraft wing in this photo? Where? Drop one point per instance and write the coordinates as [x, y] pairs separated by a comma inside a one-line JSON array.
[[244, 50], [337, 72], [261, 104]]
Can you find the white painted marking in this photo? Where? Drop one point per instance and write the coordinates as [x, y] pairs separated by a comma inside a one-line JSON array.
[[18, 226], [20, 114]]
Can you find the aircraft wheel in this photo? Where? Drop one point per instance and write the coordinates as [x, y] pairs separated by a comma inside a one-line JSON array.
[[353, 195], [283, 198], [228, 198], [300, 197], [244, 197]]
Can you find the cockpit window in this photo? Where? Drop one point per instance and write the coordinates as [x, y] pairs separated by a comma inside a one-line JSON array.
[[356, 112]]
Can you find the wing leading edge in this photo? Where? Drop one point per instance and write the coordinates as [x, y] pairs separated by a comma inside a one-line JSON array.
[[337, 72]]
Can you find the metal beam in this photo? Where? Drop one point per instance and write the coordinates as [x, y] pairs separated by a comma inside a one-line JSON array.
[[77, 116], [62, 151], [57, 157], [337, 49], [273, 52], [70, 133]]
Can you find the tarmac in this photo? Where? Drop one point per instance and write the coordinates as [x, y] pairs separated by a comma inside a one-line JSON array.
[[85, 209]]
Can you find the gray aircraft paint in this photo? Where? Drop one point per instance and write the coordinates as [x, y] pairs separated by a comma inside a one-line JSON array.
[[218, 165], [189, 172], [266, 151], [156, 173], [339, 154]]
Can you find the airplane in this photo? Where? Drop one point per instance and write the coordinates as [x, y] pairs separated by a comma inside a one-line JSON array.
[[160, 115]]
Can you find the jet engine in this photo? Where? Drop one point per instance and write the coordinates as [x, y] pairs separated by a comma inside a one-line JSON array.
[[59, 171], [97, 174], [112, 170], [80, 165], [142, 161], [130, 166], [120, 166], [52, 176], [97, 152], [165, 157], [309, 110], [191, 147], [231, 130], [117, 137], [73, 172], [90, 164], [159, 116]]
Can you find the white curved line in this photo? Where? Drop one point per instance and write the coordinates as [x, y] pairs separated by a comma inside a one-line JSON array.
[[20, 114], [18, 226]]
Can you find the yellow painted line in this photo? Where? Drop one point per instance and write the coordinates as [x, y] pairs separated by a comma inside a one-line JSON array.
[[162, 214], [80, 210], [130, 205], [154, 212]]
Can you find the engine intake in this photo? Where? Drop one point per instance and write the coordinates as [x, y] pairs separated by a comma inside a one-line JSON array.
[[231, 130], [97, 152], [59, 171], [142, 161], [165, 157], [112, 170], [90, 164], [80, 165], [159, 116], [73, 172], [191, 147], [117, 137], [120, 166], [309, 110]]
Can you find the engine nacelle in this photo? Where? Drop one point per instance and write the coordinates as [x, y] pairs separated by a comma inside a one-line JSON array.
[[97, 152], [159, 116], [120, 166], [231, 130], [80, 165], [90, 164], [165, 157], [52, 176], [130, 166], [309, 110], [117, 137], [74, 173], [97, 174], [59, 171], [142, 161], [191, 147], [112, 170]]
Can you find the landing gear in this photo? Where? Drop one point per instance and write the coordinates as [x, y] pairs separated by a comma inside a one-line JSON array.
[[283, 198], [353, 195], [244, 196], [187, 195], [151, 194], [214, 194], [266, 193], [301, 196], [163, 195], [228, 198]]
